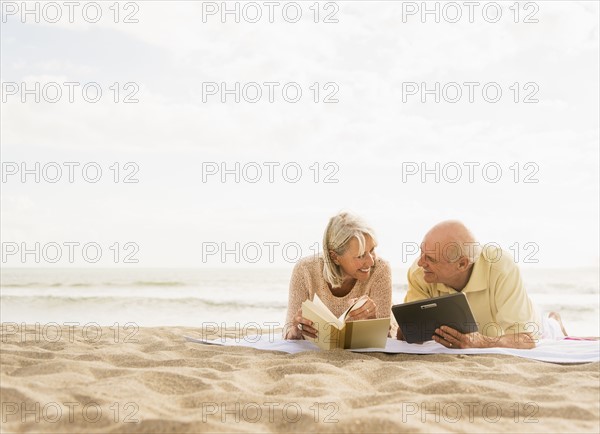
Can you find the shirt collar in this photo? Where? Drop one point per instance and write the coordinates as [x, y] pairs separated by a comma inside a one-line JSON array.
[[477, 282]]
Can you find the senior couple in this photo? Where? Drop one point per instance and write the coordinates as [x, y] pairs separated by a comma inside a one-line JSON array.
[[451, 261]]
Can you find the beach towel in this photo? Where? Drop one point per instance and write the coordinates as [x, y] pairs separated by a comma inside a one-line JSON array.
[[546, 350]]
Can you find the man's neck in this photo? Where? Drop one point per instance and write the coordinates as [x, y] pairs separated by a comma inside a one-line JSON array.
[[461, 280]]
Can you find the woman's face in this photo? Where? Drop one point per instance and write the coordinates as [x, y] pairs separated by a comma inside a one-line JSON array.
[[355, 265]]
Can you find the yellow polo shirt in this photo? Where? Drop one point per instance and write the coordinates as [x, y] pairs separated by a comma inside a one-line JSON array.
[[495, 293]]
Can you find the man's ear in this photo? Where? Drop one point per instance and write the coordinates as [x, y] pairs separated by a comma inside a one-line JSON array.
[[463, 263]]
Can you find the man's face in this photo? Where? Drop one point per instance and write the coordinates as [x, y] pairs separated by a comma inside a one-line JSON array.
[[434, 261]]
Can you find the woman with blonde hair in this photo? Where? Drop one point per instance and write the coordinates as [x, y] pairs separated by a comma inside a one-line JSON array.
[[347, 269]]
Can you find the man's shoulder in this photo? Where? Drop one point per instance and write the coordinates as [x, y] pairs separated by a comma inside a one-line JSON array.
[[415, 272], [418, 288], [498, 260]]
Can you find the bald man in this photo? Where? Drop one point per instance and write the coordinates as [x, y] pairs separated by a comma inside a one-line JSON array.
[[452, 261]]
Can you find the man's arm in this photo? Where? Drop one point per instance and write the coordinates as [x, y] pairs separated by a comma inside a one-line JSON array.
[[399, 334], [417, 290], [516, 315], [451, 338]]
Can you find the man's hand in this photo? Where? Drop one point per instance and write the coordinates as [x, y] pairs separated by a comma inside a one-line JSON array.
[[451, 338]]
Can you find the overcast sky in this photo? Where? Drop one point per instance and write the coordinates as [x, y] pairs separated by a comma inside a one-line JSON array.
[[374, 135]]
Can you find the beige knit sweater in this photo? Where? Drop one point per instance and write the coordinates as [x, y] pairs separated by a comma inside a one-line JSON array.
[[307, 280]]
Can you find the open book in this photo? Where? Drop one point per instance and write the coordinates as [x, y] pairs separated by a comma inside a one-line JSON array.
[[337, 333]]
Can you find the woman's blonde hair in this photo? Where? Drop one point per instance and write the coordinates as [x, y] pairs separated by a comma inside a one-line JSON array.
[[340, 230]]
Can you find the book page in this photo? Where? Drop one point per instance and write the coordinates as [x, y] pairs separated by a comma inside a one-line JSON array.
[[320, 308], [358, 303]]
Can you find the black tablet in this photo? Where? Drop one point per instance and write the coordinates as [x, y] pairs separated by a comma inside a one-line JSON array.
[[419, 319]]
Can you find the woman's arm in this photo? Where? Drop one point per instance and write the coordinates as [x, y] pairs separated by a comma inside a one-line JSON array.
[[298, 292]]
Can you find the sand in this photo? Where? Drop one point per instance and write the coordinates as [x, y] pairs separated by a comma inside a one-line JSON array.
[[81, 381]]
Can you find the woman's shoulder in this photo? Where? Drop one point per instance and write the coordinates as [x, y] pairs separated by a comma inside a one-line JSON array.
[[308, 272], [381, 269], [382, 265], [310, 263]]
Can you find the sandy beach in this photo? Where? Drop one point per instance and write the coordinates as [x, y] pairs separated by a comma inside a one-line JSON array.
[[76, 380]]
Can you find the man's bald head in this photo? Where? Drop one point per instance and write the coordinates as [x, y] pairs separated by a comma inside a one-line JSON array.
[[454, 240]]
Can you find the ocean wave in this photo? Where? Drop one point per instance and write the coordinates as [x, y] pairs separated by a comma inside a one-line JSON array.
[[136, 284], [158, 283], [52, 300], [23, 285]]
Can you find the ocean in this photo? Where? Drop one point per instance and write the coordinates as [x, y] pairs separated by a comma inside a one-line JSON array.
[[233, 298]]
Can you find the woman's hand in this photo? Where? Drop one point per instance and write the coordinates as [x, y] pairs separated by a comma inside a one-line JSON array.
[[366, 311], [301, 327]]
